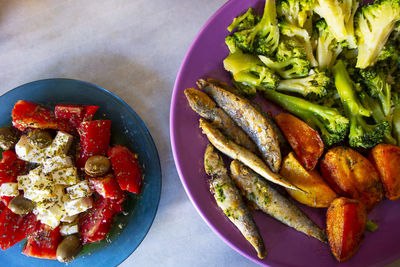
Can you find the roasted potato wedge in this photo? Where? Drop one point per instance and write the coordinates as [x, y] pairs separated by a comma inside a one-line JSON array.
[[351, 175], [305, 141], [386, 159], [318, 193], [345, 225]]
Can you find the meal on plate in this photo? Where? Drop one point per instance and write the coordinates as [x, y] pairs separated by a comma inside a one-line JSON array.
[[60, 181], [334, 69]]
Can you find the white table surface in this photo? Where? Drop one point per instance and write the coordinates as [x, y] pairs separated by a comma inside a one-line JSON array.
[[134, 49]]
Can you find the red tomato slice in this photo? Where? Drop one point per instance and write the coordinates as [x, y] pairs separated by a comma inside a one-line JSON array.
[[30, 115], [14, 227], [126, 168], [106, 186], [75, 114], [43, 243], [95, 224], [95, 138]]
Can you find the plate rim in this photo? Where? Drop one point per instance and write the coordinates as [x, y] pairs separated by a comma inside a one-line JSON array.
[[143, 125]]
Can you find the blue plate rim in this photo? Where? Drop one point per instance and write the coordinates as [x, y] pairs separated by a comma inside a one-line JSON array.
[[159, 169]]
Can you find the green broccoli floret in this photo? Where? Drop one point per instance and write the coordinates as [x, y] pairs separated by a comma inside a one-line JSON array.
[[362, 133], [315, 84], [375, 78], [290, 48], [290, 68], [257, 36], [331, 124], [378, 115], [374, 24], [339, 15], [291, 30], [246, 21], [295, 12], [388, 52], [328, 48], [249, 71]]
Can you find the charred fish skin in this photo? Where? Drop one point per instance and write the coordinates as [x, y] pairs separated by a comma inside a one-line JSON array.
[[270, 201], [234, 151], [229, 199], [203, 105], [253, 122]]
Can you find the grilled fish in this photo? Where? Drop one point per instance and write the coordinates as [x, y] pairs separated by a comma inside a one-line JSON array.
[[230, 200], [250, 119], [283, 144], [266, 198], [234, 151], [201, 103]]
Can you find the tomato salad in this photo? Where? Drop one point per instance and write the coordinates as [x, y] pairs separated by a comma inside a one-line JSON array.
[[61, 183]]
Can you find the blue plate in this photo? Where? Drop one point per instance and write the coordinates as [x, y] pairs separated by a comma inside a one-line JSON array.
[[127, 129]]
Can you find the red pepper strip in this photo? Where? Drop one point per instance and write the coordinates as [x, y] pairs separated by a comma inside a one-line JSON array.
[[43, 243], [106, 186], [14, 227], [6, 200], [126, 169], [30, 115], [95, 224], [2, 207], [75, 114], [11, 167], [95, 138]]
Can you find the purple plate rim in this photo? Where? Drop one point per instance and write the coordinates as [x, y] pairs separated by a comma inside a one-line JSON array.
[[177, 85], [174, 145]]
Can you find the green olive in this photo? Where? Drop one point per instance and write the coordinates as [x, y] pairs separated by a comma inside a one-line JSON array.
[[69, 248], [39, 138], [97, 166], [8, 138], [20, 205]]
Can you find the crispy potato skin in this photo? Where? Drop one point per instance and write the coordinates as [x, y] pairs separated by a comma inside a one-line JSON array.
[[319, 194], [345, 224], [305, 141], [386, 159], [350, 174]]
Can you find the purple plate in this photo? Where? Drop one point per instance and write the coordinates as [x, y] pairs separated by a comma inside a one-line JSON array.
[[285, 246]]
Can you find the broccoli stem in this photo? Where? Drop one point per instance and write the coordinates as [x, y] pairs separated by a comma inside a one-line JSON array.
[[328, 121], [396, 123], [344, 86]]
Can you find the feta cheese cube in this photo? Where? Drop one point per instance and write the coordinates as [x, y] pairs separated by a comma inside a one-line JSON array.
[[28, 153], [23, 181], [58, 193], [79, 190], [69, 219], [35, 175], [56, 163], [52, 216], [69, 229], [22, 147], [43, 206], [66, 176], [60, 145], [40, 190], [76, 206], [9, 190]]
